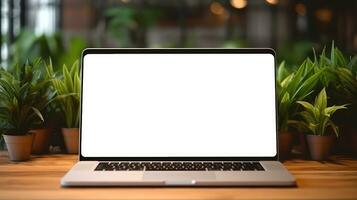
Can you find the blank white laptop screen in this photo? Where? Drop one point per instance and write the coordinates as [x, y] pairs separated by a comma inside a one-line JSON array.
[[178, 105]]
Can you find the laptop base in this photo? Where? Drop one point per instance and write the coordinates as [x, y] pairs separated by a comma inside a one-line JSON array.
[[83, 174]]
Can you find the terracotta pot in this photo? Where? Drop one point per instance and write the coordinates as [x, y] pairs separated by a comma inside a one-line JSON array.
[[19, 147], [40, 143], [320, 146], [71, 139], [285, 144]]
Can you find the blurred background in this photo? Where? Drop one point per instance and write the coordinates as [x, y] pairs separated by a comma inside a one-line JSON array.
[[60, 29]]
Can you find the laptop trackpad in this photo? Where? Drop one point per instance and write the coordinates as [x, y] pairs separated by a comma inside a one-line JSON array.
[[178, 177]]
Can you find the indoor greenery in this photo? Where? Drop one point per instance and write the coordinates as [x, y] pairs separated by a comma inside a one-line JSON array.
[[340, 81], [24, 97], [67, 88], [341, 71], [336, 72], [294, 87], [30, 46], [129, 25], [317, 117]]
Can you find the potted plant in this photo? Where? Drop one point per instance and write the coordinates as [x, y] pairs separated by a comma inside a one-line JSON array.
[[341, 81], [18, 110], [42, 100], [316, 119], [345, 90], [67, 87], [292, 87]]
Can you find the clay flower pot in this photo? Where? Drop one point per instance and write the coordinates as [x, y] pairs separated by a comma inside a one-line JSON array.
[[71, 139], [320, 146], [18, 146], [40, 142], [285, 144]]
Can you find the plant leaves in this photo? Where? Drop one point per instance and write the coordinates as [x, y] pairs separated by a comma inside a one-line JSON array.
[[306, 105], [321, 100], [38, 113]]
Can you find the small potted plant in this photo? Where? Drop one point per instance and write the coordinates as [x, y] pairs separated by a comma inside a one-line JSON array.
[[18, 111], [67, 88], [316, 119], [292, 87], [42, 100]]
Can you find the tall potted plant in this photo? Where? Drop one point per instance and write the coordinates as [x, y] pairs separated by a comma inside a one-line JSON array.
[[316, 120], [67, 87], [291, 88], [18, 110], [341, 82], [345, 90]]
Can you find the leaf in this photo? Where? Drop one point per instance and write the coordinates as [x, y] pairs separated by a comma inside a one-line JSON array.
[[282, 72], [340, 59], [333, 60], [322, 124], [74, 69], [68, 84], [287, 80], [306, 105], [49, 70], [8, 88], [334, 128], [331, 110], [298, 76], [312, 127], [321, 100], [77, 84], [352, 65], [307, 86], [311, 110], [315, 57], [38, 113], [283, 112]]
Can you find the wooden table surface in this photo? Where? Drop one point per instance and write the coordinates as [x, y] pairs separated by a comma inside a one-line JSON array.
[[40, 177]]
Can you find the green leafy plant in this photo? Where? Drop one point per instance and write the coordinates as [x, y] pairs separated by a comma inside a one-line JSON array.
[[317, 117], [345, 85], [294, 87], [28, 45], [129, 25], [340, 80], [24, 96], [67, 87]]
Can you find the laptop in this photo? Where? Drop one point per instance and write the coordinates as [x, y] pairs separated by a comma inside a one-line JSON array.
[[178, 117]]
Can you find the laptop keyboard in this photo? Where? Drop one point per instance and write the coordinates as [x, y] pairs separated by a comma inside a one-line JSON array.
[[179, 166]]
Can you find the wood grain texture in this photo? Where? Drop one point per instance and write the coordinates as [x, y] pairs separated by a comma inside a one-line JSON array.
[[40, 177]]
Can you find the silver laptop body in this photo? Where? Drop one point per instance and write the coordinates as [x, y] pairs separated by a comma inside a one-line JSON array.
[[178, 117]]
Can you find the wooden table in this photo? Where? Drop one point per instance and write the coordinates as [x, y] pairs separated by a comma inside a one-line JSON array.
[[39, 178]]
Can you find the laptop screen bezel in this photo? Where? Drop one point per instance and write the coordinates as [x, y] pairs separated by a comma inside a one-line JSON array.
[[174, 51]]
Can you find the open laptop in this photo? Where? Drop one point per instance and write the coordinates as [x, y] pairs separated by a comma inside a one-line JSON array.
[[178, 117]]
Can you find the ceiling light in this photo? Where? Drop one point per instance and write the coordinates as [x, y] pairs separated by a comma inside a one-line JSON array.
[[272, 2], [239, 3]]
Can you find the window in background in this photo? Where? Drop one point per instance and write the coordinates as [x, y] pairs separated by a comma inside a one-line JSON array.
[[11, 22], [37, 16], [3, 29], [43, 16]]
